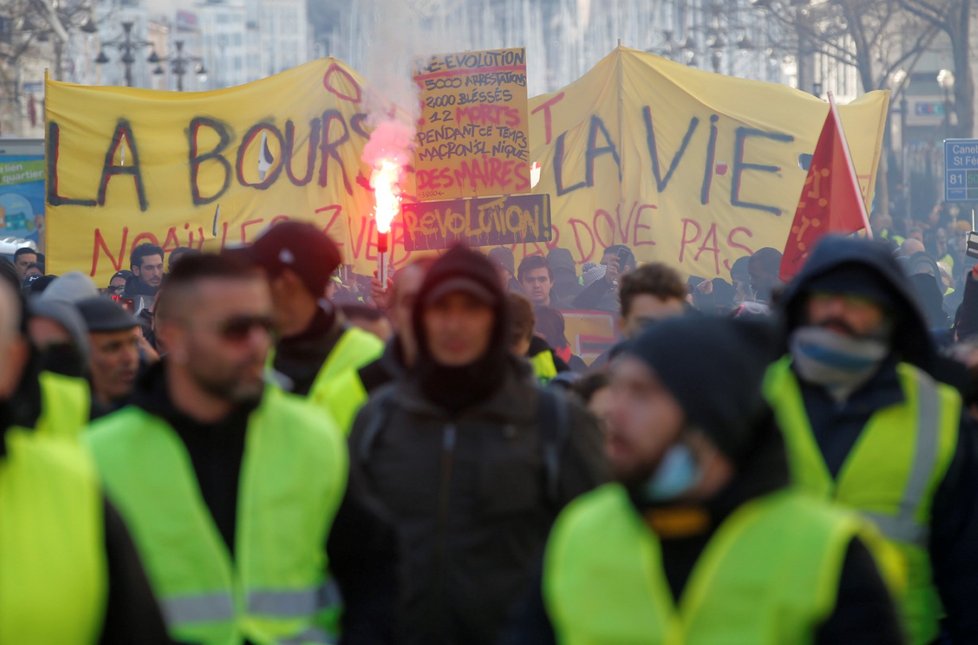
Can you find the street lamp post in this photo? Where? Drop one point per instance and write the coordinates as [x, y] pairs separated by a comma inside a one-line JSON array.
[[899, 83], [904, 148], [126, 46], [179, 64], [87, 26]]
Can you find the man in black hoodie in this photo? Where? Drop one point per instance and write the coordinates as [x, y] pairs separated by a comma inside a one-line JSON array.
[[866, 425], [702, 540], [471, 461]]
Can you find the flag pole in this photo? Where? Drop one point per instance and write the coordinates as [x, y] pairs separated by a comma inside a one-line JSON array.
[[852, 170]]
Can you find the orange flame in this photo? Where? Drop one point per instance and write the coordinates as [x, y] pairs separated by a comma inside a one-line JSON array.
[[387, 193]]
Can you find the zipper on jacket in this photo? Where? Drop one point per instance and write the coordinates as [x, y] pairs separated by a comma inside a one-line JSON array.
[[449, 438]]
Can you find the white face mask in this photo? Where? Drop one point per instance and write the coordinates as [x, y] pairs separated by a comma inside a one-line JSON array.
[[678, 473]]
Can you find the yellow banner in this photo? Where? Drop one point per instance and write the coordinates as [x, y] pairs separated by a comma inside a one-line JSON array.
[[683, 166], [211, 169]]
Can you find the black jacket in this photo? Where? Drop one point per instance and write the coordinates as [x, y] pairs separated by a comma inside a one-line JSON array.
[[361, 546], [469, 500], [600, 295], [136, 288], [837, 427]]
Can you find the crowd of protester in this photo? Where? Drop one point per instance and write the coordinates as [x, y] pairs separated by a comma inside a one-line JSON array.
[[289, 452]]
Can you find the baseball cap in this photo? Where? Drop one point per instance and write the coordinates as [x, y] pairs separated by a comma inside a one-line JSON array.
[[299, 246], [464, 285], [103, 314], [462, 270]]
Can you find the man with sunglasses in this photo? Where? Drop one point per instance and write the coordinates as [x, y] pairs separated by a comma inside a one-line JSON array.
[[316, 350], [866, 425], [232, 486]]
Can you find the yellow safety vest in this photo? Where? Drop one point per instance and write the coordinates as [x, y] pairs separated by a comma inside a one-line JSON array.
[[890, 476], [65, 405], [53, 569], [293, 475], [769, 575], [544, 366], [337, 388]]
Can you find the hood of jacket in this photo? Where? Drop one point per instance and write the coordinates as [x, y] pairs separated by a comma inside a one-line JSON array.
[[910, 340]]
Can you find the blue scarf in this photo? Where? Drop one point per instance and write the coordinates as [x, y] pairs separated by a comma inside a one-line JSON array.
[[835, 361]]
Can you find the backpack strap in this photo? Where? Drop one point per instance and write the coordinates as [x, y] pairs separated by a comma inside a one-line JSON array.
[[372, 431], [553, 419]]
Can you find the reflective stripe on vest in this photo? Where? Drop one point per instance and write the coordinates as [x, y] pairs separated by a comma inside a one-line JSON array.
[[769, 574], [291, 604], [889, 476], [53, 568], [200, 608], [310, 637], [65, 405], [293, 475], [904, 526]]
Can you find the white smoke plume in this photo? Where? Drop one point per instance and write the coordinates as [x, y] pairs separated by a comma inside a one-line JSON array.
[[401, 33]]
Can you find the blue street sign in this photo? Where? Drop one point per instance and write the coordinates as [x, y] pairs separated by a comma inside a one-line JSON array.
[[961, 170]]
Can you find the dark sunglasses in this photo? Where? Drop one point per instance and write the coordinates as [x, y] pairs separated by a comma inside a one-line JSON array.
[[239, 328]]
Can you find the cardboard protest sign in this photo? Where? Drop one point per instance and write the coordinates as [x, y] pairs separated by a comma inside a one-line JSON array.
[[684, 166], [590, 333], [473, 134], [479, 221], [206, 170]]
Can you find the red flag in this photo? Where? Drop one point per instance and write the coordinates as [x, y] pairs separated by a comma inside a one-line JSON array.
[[830, 201]]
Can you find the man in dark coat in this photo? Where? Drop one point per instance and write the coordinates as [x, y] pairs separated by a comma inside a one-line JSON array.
[[471, 461], [868, 425]]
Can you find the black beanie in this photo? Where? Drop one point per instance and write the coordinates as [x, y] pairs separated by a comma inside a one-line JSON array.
[[714, 368], [858, 280]]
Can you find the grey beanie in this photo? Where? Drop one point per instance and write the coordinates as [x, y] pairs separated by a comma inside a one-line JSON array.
[[65, 315], [71, 288]]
